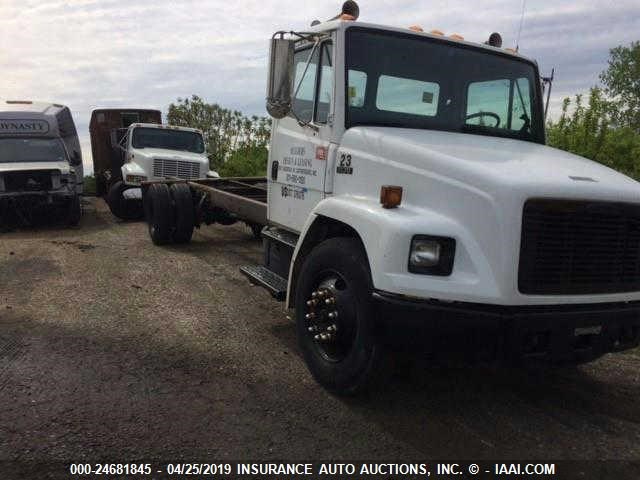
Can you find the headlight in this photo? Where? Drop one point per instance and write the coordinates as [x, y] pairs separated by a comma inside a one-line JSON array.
[[135, 179], [432, 255]]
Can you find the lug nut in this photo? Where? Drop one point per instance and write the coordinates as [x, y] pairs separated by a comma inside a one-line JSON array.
[[312, 328], [330, 301], [333, 315], [324, 337], [317, 337], [332, 328], [312, 303], [314, 294], [310, 316]]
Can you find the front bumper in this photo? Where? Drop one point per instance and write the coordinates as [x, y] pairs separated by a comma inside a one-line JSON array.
[[554, 333]]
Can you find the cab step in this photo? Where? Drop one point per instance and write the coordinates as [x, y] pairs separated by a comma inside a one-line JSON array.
[[264, 277]]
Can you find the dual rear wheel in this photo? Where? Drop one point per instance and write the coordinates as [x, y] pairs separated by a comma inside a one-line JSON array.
[[170, 213]]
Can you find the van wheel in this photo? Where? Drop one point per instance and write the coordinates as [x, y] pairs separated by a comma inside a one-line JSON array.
[[256, 230], [159, 213], [335, 318], [185, 213], [121, 207], [74, 211]]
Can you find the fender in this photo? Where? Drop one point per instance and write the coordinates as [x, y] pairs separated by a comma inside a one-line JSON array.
[[132, 168], [386, 236]]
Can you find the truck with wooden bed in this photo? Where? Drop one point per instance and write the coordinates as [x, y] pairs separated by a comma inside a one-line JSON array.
[[131, 146]]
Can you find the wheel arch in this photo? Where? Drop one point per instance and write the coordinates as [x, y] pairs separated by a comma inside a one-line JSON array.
[[321, 228]]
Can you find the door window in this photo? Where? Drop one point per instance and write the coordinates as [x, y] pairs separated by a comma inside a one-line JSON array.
[[325, 89], [305, 83]]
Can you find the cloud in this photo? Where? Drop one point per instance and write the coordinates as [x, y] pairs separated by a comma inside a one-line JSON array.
[[107, 53]]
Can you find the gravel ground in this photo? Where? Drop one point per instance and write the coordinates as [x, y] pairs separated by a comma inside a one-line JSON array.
[[113, 349]]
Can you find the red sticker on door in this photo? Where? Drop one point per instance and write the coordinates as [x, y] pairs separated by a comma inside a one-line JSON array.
[[321, 153]]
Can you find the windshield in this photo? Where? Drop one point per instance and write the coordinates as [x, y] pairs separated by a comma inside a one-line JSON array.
[[14, 150], [169, 139], [411, 82]]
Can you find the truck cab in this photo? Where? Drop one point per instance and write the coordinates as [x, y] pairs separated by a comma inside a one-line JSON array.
[[41, 173], [155, 152], [410, 188], [411, 202]]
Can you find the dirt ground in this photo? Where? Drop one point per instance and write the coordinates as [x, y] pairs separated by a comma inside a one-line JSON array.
[[113, 349]]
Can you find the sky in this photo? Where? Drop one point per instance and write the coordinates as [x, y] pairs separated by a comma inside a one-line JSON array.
[[90, 54]]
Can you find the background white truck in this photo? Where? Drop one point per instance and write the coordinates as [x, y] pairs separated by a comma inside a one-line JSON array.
[[411, 200], [130, 146], [41, 172]]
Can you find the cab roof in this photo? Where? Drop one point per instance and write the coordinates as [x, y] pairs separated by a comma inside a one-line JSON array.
[[165, 127], [343, 25]]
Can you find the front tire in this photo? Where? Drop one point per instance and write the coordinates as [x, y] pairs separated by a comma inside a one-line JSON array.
[[335, 319], [74, 212], [159, 213], [121, 207]]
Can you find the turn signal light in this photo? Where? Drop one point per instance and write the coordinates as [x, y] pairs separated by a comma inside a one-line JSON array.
[[390, 196]]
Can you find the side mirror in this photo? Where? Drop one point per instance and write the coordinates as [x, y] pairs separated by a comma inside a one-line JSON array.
[[279, 87], [76, 159]]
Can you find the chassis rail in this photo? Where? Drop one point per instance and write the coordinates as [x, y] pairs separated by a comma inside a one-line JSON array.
[[244, 197]]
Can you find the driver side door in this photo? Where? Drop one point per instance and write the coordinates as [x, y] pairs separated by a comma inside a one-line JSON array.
[[300, 142]]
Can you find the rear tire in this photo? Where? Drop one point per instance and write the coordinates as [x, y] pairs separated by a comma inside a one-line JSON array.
[[336, 275], [121, 207], [184, 211], [159, 213]]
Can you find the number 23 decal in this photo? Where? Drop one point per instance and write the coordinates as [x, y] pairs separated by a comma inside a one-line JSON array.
[[344, 165]]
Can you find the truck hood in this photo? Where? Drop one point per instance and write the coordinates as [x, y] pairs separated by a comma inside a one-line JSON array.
[[63, 167], [486, 162], [170, 154]]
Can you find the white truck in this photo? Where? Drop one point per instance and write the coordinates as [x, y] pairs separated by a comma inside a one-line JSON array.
[[41, 174], [411, 201], [131, 146]]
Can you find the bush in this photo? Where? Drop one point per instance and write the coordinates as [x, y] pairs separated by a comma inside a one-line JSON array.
[[587, 132], [246, 162]]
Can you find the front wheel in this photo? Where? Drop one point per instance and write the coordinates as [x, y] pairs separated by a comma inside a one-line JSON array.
[[74, 212], [335, 318], [121, 207]]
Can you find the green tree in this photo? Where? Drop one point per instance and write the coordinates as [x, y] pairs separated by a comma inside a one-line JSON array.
[[607, 128], [621, 83], [226, 131], [250, 161], [587, 131]]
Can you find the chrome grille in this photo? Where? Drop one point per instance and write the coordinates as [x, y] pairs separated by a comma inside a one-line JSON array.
[[165, 167]]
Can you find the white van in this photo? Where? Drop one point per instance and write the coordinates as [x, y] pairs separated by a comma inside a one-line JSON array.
[[40, 163]]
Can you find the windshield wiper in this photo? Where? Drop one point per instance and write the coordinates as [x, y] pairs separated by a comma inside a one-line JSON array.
[[494, 132]]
